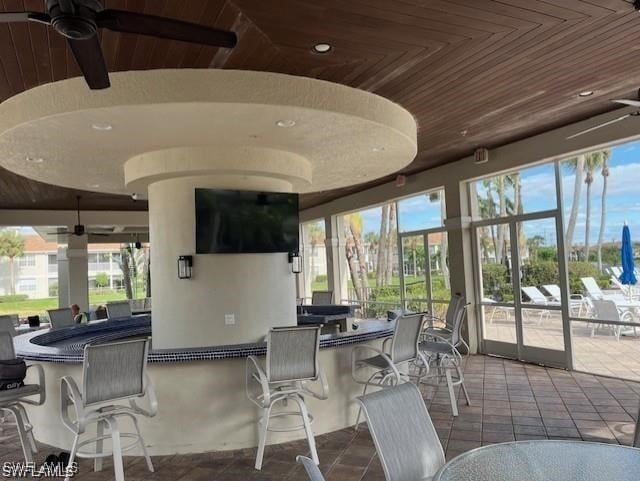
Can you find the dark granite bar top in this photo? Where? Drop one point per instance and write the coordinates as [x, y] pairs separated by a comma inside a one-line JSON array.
[[67, 344]]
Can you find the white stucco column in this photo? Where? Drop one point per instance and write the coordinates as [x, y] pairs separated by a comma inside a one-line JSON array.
[[257, 289], [337, 268], [73, 273]]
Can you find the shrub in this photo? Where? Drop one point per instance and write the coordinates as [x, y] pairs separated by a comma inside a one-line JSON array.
[[579, 269], [321, 278], [497, 282], [14, 298], [539, 273], [102, 279]]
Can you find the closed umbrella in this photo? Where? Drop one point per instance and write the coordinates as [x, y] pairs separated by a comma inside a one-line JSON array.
[[628, 275]]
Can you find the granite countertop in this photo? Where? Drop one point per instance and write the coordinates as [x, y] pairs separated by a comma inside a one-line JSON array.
[[67, 344]]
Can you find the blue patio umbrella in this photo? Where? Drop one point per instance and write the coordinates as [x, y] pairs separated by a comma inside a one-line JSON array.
[[626, 253]]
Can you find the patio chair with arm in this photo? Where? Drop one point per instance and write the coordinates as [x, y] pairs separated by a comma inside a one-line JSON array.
[[114, 377], [312, 469], [60, 318], [8, 323], [456, 305], [322, 298], [392, 363], [404, 436], [117, 309], [292, 362], [442, 353], [12, 402], [607, 310]]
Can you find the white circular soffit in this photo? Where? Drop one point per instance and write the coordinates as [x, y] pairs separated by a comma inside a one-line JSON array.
[[157, 124]]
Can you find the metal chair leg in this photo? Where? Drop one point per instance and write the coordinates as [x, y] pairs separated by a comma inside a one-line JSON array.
[[97, 462], [118, 466], [72, 454], [142, 445], [27, 422], [22, 434], [307, 428], [452, 394], [464, 388], [263, 427]]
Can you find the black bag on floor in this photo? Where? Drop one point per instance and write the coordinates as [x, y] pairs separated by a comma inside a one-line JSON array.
[[12, 373]]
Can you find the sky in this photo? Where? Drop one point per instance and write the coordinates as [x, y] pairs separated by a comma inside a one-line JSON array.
[[538, 194]]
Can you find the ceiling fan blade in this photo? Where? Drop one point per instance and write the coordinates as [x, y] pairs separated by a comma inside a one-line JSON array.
[[121, 21], [102, 234], [632, 103], [88, 55], [10, 17], [599, 126]]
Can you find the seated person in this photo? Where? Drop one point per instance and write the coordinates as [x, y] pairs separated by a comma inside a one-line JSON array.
[[78, 317], [101, 312]]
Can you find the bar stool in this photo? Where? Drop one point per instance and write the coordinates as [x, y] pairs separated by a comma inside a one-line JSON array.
[[111, 374], [292, 361], [441, 352], [12, 402], [392, 363]]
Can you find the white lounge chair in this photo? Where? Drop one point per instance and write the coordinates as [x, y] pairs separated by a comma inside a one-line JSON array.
[[628, 290], [577, 304], [606, 310], [538, 298]]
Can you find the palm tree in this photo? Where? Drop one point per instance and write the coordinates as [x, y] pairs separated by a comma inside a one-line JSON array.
[[576, 164], [381, 261], [355, 252], [391, 244], [11, 246], [606, 154], [591, 163]]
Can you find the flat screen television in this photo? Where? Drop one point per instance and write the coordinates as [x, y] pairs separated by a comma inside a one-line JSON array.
[[238, 221]]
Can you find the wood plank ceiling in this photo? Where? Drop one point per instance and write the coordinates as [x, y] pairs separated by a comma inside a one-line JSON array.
[[473, 72]]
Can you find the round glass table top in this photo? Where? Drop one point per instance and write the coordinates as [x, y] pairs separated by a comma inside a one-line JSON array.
[[544, 461]]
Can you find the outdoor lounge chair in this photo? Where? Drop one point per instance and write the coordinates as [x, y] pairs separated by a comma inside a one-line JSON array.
[[577, 304], [538, 298]]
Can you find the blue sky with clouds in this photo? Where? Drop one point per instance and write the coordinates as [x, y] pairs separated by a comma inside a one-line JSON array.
[[538, 193]]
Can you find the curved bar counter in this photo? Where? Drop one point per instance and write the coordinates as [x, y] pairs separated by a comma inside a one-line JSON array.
[[202, 405]]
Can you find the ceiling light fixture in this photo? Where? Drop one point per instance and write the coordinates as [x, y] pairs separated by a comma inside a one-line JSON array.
[[102, 127], [586, 93], [286, 123], [322, 48]]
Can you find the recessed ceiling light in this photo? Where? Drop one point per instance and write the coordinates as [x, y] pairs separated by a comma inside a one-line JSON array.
[[286, 123], [35, 160], [586, 93], [377, 149], [322, 48], [102, 127]]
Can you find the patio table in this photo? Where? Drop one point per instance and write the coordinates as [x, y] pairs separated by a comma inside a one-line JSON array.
[[544, 461]]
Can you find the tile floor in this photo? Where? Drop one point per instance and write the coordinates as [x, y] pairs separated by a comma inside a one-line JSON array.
[[510, 400]]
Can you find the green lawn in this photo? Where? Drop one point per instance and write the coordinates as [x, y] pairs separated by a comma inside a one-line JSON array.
[[32, 307]]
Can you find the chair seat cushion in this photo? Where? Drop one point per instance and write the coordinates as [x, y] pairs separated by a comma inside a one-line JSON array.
[[435, 347], [375, 361], [15, 394]]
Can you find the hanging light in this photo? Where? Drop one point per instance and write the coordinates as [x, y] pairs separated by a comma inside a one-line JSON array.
[[185, 267]]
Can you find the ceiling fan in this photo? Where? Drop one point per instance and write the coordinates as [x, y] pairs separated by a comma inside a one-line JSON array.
[[79, 20], [78, 229], [627, 102]]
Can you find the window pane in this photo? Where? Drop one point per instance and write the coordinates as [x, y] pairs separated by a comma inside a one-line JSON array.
[[424, 211], [522, 192], [314, 255], [372, 258], [439, 266]]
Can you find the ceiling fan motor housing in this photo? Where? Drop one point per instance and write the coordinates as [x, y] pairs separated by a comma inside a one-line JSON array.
[[74, 19]]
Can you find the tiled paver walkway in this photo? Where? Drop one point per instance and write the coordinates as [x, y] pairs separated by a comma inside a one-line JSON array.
[[511, 401]]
